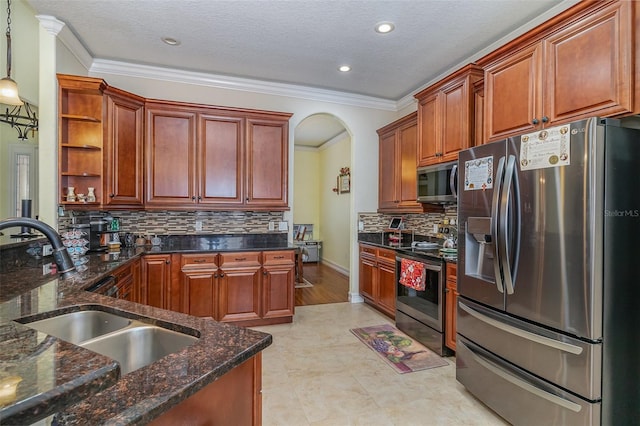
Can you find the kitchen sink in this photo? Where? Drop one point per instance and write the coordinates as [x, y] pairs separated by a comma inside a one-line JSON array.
[[132, 343], [139, 346], [77, 327]]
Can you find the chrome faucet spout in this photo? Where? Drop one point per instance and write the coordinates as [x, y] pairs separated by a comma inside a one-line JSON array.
[[60, 254]]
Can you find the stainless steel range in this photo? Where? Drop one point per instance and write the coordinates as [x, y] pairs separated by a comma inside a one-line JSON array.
[[420, 312]]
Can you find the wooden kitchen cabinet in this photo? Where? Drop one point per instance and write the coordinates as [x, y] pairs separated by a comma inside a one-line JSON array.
[[451, 306], [123, 153], [127, 280], [240, 287], [577, 65], [233, 399], [170, 151], [198, 284], [397, 189], [80, 138], [278, 275], [377, 278], [156, 279], [446, 116], [201, 157]]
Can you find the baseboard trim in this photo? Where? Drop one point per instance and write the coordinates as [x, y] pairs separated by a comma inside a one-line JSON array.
[[336, 267]]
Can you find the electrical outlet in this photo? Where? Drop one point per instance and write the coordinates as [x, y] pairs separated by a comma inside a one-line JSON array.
[[198, 225], [47, 250], [272, 226], [282, 226], [46, 269]]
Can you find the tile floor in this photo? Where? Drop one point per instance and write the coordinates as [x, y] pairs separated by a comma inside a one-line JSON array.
[[317, 372]]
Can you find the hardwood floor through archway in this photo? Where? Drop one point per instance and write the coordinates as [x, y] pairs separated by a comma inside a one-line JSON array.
[[329, 286]]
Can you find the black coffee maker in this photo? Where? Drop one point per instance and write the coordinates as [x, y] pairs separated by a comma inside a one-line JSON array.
[[94, 225]]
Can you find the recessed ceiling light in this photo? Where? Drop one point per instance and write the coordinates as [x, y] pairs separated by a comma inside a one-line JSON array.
[[384, 27], [344, 68], [171, 41]]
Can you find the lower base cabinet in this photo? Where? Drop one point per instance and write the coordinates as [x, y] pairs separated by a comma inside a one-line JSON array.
[[378, 278], [234, 399], [245, 288], [451, 304]]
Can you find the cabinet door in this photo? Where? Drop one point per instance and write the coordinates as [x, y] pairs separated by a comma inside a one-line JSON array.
[[408, 163], [589, 69], [429, 126], [123, 150], [136, 273], [199, 292], [456, 121], [156, 276], [278, 284], [367, 272], [387, 287], [451, 306], [239, 280], [513, 93], [170, 157], [387, 197], [220, 154], [267, 163]]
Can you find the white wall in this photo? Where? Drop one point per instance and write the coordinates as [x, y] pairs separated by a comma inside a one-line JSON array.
[[306, 187], [334, 208]]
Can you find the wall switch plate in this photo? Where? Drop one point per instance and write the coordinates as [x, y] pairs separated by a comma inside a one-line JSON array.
[[47, 250], [272, 226], [435, 228], [360, 225], [198, 225], [46, 269], [282, 226]]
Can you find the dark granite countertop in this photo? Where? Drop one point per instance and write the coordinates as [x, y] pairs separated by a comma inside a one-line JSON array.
[[56, 374]]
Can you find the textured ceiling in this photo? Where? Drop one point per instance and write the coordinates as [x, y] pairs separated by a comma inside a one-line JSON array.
[[300, 42]]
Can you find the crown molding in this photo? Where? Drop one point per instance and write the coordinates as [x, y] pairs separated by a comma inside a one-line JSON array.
[[103, 66], [50, 23]]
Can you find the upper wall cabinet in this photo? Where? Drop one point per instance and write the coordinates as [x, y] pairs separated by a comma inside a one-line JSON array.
[[123, 151], [446, 116], [100, 135], [397, 191], [80, 137], [199, 157], [576, 65]]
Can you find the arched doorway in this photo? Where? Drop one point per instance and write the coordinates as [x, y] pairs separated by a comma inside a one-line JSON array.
[[322, 148]]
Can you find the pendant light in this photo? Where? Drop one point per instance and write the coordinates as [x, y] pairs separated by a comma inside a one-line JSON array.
[[8, 87]]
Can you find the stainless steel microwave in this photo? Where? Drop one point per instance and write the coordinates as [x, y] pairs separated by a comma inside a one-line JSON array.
[[438, 184]]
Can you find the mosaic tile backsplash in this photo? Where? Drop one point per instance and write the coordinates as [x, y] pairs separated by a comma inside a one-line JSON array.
[[419, 223], [184, 223]]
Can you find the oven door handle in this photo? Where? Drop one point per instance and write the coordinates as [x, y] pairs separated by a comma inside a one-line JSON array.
[[428, 265]]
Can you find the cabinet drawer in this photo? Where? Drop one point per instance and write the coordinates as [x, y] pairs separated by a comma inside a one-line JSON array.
[[278, 257], [388, 255], [240, 259], [198, 261], [368, 250]]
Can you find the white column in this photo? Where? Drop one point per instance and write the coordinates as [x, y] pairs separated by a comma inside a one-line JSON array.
[[48, 125]]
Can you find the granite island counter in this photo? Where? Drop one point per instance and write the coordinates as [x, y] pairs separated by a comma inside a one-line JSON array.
[[83, 387]]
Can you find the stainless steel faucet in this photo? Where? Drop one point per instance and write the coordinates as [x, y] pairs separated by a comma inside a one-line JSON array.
[[60, 254]]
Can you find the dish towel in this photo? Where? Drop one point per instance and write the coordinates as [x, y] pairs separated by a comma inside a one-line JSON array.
[[412, 274]]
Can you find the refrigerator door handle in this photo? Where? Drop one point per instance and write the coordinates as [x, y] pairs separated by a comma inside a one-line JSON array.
[[452, 180], [566, 347], [526, 386], [503, 250], [495, 206]]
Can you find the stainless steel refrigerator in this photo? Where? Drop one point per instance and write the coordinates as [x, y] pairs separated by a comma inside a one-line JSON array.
[[549, 274]]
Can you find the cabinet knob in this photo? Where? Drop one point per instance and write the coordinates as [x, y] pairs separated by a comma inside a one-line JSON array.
[[264, 273], [112, 195], [246, 199], [199, 198], [221, 275], [535, 121], [545, 119], [193, 198], [215, 275], [167, 261]]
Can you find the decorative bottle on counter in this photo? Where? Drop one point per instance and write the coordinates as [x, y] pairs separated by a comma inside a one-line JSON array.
[[91, 195]]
